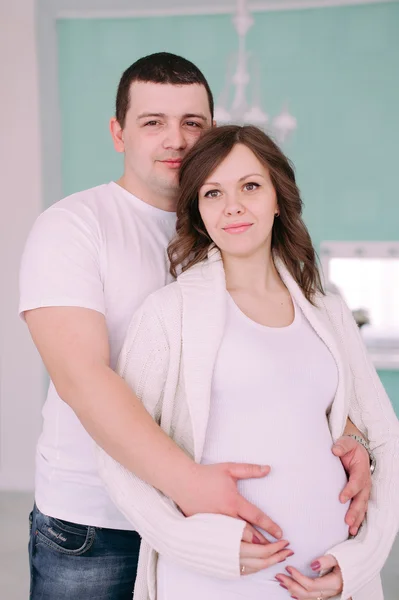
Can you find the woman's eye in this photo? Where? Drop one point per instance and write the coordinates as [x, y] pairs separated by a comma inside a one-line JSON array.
[[212, 194], [249, 187]]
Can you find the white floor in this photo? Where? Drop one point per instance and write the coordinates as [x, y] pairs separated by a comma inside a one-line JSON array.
[[14, 572]]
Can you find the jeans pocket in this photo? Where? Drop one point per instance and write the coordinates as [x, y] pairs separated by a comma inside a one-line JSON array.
[[63, 536], [30, 521]]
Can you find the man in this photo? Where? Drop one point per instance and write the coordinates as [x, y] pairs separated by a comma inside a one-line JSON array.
[[90, 261]]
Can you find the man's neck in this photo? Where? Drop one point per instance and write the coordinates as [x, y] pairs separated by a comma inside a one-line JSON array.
[[160, 201]]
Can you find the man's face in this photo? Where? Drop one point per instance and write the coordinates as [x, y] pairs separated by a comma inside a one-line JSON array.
[[162, 123]]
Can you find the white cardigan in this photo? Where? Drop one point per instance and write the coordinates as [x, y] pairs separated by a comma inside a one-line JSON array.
[[168, 358]]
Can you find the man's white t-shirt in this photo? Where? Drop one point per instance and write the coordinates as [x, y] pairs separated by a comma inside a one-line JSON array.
[[102, 249]]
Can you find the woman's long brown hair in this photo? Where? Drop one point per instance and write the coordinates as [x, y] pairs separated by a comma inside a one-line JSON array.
[[290, 237]]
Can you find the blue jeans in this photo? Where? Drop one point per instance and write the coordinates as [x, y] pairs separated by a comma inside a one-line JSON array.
[[79, 562]]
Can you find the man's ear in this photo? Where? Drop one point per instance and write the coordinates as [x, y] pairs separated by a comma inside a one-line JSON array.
[[117, 135]]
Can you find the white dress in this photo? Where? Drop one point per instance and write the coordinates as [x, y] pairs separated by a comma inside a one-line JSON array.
[[271, 390]]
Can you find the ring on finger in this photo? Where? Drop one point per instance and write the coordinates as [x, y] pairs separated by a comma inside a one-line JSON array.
[[243, 571], [321, 597]]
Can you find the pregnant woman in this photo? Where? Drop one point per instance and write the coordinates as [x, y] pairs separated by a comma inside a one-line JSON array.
[[245, 358]]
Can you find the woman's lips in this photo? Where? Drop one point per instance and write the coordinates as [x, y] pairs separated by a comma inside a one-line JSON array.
[[237, 228]]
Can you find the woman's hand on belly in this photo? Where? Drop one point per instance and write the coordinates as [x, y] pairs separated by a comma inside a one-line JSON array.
[[306, 588], [256, 557], [356, 462]]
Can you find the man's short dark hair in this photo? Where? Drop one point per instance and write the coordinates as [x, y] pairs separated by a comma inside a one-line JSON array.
[[161, 67]]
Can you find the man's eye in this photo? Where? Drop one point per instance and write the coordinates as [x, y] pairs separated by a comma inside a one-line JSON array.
[[212, 194], [193, 124], [251, 186], [151, 123]]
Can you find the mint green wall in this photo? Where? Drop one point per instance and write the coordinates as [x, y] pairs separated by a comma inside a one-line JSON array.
[[390, 380], [338, 68]]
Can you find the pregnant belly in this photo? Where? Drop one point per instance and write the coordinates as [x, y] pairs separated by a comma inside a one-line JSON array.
[[304, 503], [301, 494]]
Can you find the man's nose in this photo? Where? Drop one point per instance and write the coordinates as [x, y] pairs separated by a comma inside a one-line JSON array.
[[175, 138]]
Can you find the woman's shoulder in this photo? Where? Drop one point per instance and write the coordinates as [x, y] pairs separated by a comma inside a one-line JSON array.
[[164, 302], [156, 319], [168, 293], [331, 303], [330, 299]]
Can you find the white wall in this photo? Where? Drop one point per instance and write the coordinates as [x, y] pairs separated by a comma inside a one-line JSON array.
[[21, 375]]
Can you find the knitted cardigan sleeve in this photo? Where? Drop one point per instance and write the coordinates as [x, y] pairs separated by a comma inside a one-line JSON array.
[[207, 543], [362, 558]]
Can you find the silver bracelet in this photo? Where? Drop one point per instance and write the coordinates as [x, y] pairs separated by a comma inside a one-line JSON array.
[[373, 460]]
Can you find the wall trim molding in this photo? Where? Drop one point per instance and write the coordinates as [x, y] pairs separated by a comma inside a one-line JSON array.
[[86, 11], [360, 249]]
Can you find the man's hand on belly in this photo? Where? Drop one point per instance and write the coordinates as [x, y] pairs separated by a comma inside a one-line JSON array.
[[213, 489], [356, 462]]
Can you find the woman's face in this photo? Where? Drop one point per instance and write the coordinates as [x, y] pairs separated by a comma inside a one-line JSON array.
[[238, 203]]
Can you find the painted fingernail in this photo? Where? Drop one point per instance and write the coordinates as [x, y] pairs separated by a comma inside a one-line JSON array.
[[278, 577], [288, 569], [295, 598], [255, 540], [315, 566], [344, 499], [290, 553], [283, 586]]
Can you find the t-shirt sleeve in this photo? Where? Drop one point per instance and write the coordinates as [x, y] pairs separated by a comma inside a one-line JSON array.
[[61, 262]]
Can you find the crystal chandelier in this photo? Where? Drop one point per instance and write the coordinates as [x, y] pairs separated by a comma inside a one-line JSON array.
[[240, 111]]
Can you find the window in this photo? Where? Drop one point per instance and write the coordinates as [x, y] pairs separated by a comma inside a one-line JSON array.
[[367, 276]]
